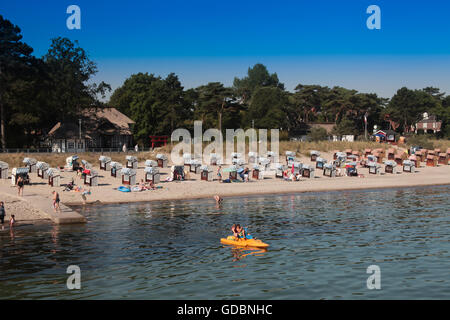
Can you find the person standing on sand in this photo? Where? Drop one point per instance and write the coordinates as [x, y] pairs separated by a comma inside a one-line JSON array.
[[20, 184], [2, 214], [84, 194], [56, 201], [219, 173]]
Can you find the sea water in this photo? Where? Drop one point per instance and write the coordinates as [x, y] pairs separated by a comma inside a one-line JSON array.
[[321, 245]]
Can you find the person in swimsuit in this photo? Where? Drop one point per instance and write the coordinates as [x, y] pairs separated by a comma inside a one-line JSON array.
[[2, 214], [243, 233], [12, 222], [56, 201], [20, 184], [218, 199], [219, 173]]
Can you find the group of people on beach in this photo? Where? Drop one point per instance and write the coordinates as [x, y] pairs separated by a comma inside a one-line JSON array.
[[146, 185], [12, 221]]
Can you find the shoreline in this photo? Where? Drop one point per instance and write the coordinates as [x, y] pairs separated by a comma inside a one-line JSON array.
[[255, 194], [38, 198]]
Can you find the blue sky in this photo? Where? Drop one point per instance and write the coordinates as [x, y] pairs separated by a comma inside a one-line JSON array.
[[310, 42]]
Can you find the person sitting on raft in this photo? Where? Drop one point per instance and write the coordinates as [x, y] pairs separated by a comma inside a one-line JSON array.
[[233, 229], [243, 233]]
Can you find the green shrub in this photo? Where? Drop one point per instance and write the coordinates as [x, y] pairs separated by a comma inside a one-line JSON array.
[[420, 140], [318, 134]]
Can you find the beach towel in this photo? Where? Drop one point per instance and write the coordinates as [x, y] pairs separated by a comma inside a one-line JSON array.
[[123, 189]]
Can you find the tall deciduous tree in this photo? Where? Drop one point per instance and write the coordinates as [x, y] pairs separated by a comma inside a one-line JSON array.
[[407, 106], [215, 101], [268, 108], [158, 106], [257, 76], [70, 70]]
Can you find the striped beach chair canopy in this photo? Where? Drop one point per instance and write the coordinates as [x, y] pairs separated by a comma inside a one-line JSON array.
[[151, 163], [3, 165], [131, 158], [151, 170], [373, 164], [390, 163], [53, 172], [238, 161], [290, 154], [20, 171], [116, 165], [42, 165], [316, 153], [128, 172], [161, 156], [206, 168], [329, 166], [408, 163], [104, 159]]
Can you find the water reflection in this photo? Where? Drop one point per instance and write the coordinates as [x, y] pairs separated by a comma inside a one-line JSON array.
[[239, 253]]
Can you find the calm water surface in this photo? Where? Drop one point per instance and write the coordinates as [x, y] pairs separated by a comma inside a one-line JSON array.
[[320, 247]]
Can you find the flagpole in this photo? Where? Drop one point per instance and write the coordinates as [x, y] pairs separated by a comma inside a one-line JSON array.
[[365, 125]]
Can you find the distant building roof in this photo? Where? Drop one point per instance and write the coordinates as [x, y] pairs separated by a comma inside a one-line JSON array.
[[94, 121]]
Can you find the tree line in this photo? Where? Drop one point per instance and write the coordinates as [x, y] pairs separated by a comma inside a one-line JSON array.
[[36, 93], [160, 105]]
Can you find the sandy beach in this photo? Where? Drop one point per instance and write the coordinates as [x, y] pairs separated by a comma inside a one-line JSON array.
[[194, 187], [23, 210]]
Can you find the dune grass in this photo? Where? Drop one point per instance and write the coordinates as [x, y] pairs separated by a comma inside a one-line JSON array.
[[302, 148]]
